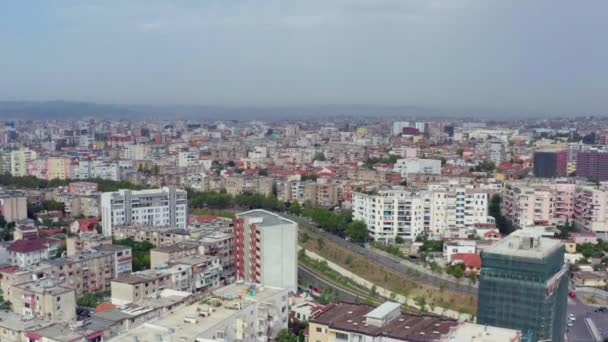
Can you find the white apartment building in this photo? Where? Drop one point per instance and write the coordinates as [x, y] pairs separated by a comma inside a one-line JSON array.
[[187, 158], [417, 165], [265, 249], [87, 169], [398, 127], [164, 207], [399, 212], [499, 152]]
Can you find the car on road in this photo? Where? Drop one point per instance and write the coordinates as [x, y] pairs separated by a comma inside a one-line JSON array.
[[572, 294], [570, 324], [571, 316]]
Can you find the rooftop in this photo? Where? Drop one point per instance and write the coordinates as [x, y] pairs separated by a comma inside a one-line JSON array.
[[176, 326], [25, 246], [414, 328], [525, 243], [178, 247], [267, 218], [482, 333]]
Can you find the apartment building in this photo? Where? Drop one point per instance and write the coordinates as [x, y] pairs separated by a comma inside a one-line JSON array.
[[191, 274], [162, 255], [44, 299], [164, 207], [83, 188], [592, 164], [436, 212], [265, 249], [238, 184], [156, 236], [220, 244], [526, 204], [591, 209], [550, 163], [320, 193], [187, 158], [13, 205], [50, 168], [133, 287], [417, 166], [20, 159], [79, 243]]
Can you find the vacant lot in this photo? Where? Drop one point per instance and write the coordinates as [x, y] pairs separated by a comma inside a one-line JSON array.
[[383, 277]]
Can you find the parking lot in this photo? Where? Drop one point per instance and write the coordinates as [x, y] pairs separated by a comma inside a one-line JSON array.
[[579, 331]]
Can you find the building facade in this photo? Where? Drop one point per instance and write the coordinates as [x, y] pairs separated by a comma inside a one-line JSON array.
[[164, 207], [523, 285], [265, 249], [550, 163]]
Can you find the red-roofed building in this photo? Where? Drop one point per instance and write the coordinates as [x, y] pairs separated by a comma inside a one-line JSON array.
[[87, 225], [28, 252], [104, 306], [471, 261]]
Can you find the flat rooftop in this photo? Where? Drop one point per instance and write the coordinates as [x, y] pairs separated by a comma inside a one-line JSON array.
[[174, 327], [525, 243], [268, 218], [407, 327], [482, 333]]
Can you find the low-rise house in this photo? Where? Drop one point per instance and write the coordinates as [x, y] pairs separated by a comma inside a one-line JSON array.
[[28, 252], [86, 225], [590, 278], [452, 247], [471, 262]]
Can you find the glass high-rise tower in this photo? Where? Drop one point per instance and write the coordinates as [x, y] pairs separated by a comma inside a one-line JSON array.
[[524, 285]]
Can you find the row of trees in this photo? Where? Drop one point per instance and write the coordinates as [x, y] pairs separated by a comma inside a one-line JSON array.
[[340, 223], [31, 182], [223, 200]]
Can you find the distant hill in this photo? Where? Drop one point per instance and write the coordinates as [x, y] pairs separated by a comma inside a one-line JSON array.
[[65, 110]]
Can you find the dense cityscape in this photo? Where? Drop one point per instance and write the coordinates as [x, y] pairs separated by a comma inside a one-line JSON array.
[[363, 229]]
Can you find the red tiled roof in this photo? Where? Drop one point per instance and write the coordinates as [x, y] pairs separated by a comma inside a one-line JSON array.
[[9, 269], [469, 259], [492, 233], [24, 246], [201, 218], [87, 224], [104, 306]]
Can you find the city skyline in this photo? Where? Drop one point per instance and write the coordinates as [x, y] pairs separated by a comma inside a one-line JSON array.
[[470, 57]]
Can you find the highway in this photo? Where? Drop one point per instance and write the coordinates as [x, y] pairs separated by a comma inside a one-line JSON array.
[[390, 262]]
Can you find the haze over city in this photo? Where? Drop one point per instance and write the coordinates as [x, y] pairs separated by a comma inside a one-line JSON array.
[[454, 56]]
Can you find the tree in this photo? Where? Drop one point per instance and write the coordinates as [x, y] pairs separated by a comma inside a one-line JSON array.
[[263, 172], [357, 231], [295, 208], [504, 226], [421, 302], [399, 240], [320, 156]]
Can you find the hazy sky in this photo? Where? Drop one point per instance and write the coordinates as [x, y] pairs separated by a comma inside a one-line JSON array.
[[530, 55]]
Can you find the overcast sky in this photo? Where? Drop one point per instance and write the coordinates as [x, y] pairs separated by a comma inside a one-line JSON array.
[[519, 55]]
